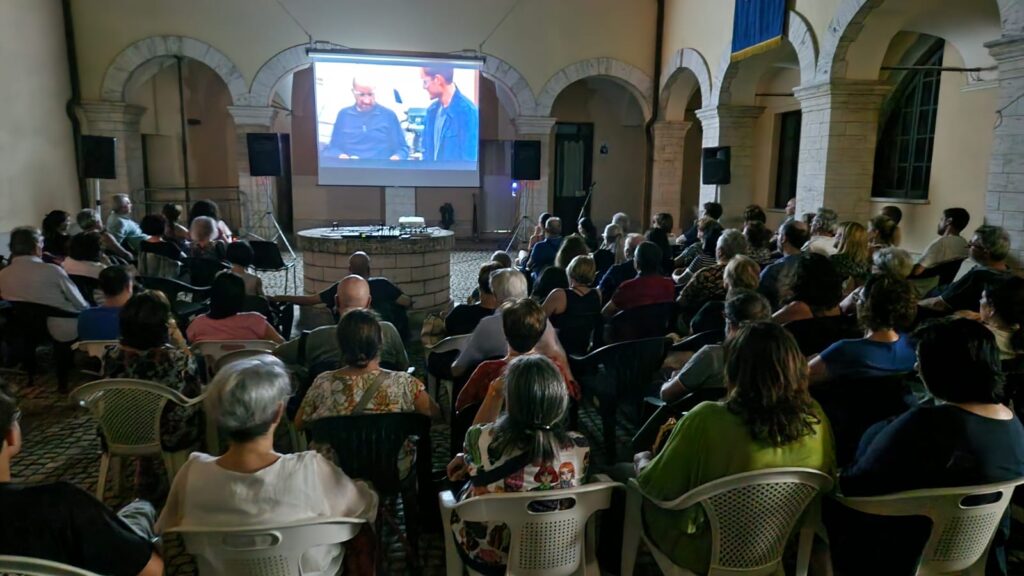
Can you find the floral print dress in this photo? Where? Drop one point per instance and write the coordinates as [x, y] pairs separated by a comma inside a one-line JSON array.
[[486, 543]]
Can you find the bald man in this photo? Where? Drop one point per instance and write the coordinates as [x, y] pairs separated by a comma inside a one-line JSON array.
[[366, 130], [353, 293], [383, 291]]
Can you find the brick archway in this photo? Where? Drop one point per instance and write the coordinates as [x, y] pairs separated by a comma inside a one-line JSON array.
[[630, 77]]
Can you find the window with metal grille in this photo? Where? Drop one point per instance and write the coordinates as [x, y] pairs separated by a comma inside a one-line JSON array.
[[903, 157]]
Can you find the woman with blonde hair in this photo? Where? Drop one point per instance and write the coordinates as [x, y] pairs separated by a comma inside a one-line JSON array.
[[741, 273], [578, 301], [853, 259], [554, 276]]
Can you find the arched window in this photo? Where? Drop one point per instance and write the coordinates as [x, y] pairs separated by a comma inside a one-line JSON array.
[[903, 158]]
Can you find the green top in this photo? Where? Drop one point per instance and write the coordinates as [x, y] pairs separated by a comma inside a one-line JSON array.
[[708, 444]]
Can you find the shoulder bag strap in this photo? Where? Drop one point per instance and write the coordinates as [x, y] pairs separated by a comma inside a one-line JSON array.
[[368, 395]]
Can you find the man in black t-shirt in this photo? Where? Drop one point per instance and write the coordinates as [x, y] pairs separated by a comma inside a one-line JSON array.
[[61, 522], [464, 317], [988, 248]]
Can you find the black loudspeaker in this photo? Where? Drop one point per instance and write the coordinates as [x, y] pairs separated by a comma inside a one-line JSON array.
[[715, 168], [98, 157], [265, 154], [526, 160]]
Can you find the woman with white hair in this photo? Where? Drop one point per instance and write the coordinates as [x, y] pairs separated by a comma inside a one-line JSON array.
[[251, 484], [611, 250], [708, 283], [205, 244]]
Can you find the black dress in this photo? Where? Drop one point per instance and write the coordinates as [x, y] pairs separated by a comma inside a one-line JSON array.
[[576, 325]]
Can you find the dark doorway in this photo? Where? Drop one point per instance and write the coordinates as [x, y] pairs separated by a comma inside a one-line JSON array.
[[574, 160]]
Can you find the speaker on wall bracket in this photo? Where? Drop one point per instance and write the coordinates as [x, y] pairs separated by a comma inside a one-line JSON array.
[[526, 160], [97, 157], [715, 164], [265, 154]]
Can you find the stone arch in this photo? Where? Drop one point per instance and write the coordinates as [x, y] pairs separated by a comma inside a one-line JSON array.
[[800, 37], [847, 24], [120, 71], [514, 92], [693, 61], [630, 77]]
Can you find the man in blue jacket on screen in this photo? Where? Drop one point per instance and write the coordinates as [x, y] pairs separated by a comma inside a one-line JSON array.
[[366, 130], [451, 131]]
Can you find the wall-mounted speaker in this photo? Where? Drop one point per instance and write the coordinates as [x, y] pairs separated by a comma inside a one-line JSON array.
[[715, 166], [526, 160], [266, 156], [97, 157]]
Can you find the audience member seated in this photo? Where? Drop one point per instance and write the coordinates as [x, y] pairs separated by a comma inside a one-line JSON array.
[[895, 262], [251, 484], [240, 256], [823, 228], [621, 219], [208, 208], [881, 233], [777, 279], [852, 259], [947, 247], [382, 291], [174, 231], [225, 320], [145, 352], [62, 523], [741, 273], [649, 287], [205, 244], [758, 242], [712, 210], [817, 290], [464, 318], [28, 279], [524, 323], [585, 228], [706, 368], [542, 253], [103, 322], [88, 220], [85, 256], [120, 224], [885, 310], [988, 249], [554, 277], [619, 273], [577, 302], [896, 215], [55, 236], [610, 252], [157, 257], [661, 227], [488, 340], [969, 438], [1002, 312], [538, 232], [340, 392], [502, 257], [708, 285], [703, 249], [767, 420], [526, 449], [322, 344], [754, 213]]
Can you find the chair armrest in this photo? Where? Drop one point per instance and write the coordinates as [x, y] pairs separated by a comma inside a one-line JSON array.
[[655, 401], [447, 500]]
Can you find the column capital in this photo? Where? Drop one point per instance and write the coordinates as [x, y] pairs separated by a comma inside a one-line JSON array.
[[1006, 48], [853, 93], [718, 113], [102, 116], [535, 125], [679, 127], [258, 116]]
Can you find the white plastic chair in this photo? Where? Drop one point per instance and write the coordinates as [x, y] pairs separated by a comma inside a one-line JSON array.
[[128, 412], [555, 543], [214, 350], [95, 349], [236, 355], [961, 533], [750, 517], [25, 566], [265, 551], [447, 345]]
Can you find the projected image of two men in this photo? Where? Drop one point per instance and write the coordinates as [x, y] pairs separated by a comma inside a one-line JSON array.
[[395, 118]]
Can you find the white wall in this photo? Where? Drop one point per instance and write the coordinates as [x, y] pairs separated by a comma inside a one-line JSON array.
[[37, 158]]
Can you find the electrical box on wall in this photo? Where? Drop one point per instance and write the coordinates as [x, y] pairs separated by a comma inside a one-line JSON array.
[[604, 149]]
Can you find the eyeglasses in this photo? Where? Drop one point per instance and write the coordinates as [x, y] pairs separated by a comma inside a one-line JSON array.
[[358, 94]]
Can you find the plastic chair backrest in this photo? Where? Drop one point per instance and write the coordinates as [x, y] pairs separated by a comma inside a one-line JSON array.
[[641, 322], [25, 566], [266, 255], [163, 249], [697, 341], [961, 532], [367, 446], [87, 287], [448, 344], [213, 350], [264, 551], [128, 412], [854, 405], [945, 271], [171, 287], [813, 335], [236, 355], [629, 366], [94, 348], [576, 331], [201, 271], [752, 514], [548, 543]]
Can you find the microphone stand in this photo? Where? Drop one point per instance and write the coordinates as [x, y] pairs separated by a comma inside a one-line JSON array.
[[590, 192]]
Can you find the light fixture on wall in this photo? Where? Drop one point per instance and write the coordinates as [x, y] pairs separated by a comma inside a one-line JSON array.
[[515, 188]]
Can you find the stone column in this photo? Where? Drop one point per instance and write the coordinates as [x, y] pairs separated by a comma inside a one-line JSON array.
[[838, 133], [731, 126], [256, 189], [537, 195], [1004, 203], [667, 172], [120, 121]]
